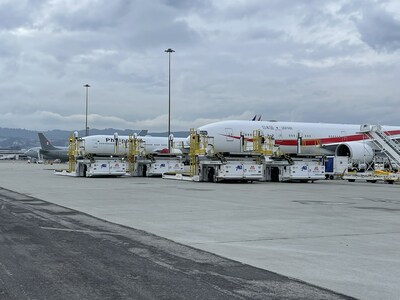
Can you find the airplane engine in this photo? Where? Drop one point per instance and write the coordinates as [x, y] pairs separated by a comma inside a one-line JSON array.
[[357, 151]]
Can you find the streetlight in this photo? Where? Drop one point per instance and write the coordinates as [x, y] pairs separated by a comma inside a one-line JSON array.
[[169, 51], [87, 98]]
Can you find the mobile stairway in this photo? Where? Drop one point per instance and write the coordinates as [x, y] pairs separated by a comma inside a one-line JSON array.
[[388, 146]]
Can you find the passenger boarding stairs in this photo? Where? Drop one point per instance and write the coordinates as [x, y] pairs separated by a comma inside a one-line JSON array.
[[388, 146]]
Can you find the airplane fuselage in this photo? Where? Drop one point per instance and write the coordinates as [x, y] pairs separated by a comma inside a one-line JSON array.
[[108, 145], [61, 153], [314, 138]]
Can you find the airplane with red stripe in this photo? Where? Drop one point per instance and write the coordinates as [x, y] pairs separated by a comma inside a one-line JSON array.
[[311, 138]]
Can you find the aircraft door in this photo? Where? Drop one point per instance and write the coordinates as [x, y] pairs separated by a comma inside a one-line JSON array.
[[343, 134], [278, 133], [229, 134]]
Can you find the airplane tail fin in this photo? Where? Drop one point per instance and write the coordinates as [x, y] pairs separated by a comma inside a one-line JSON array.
[[143, 132], [45, 143], [256, 118]]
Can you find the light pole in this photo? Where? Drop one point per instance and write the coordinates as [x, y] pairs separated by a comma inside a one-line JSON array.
[[169, 51], [87, 98]]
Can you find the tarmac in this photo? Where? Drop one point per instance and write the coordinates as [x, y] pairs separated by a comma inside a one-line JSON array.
[[341, 236]]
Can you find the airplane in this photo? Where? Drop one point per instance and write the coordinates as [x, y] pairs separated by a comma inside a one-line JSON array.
[[296, 137], [104, 145], [48, 151]]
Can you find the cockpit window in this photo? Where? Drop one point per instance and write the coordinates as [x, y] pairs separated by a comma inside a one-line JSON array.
[[203, 132]]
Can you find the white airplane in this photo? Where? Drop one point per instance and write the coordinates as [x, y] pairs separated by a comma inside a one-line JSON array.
[[104, 145], [314, 138]]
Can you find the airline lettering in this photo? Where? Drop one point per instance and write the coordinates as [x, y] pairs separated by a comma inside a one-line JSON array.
[[273, 128], [112, 140]]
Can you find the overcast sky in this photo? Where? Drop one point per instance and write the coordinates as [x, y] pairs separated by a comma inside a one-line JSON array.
[[288, 60]]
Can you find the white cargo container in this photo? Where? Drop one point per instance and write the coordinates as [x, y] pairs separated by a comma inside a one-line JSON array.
[[239, 170], [161, 166], [109, 167], [304, 170], [98, 168]]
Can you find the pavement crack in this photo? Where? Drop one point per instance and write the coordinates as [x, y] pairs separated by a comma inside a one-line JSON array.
[[295, 238], [82, 231]]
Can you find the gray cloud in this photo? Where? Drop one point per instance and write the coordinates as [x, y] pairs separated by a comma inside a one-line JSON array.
[[287, 60], [379, 29], [14, 14]]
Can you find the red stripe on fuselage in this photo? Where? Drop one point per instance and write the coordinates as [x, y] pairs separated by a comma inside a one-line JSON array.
[[321, 141]]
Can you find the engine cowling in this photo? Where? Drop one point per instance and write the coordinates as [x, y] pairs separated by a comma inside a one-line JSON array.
[[356, 151]]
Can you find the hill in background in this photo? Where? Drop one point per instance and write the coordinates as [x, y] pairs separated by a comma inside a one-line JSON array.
[[16, 138]]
